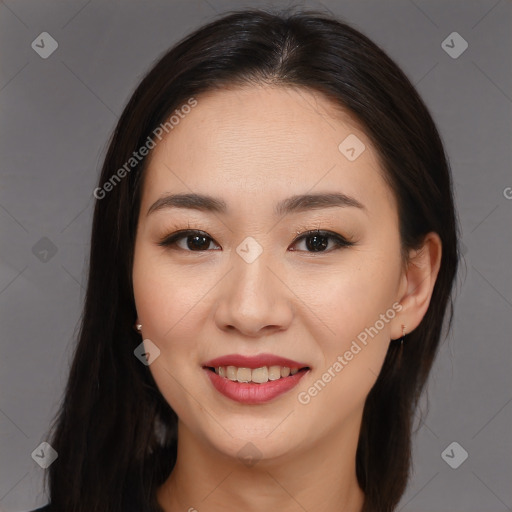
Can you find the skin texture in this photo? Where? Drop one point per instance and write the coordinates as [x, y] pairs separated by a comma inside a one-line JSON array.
[[252, 147]]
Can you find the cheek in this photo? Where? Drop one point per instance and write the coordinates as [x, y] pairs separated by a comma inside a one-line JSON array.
[[167, 296], [168, 302], [354, 347], [351, 298], [355, 309]]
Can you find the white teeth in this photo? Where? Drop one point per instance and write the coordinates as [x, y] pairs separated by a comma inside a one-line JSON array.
[[230, 371], [258, 375], [243, 374], [274, 373]]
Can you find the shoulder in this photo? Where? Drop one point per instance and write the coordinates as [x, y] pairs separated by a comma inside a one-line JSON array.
[[46, 508]]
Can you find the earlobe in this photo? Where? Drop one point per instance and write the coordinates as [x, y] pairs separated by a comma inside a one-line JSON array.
[[419, 280]]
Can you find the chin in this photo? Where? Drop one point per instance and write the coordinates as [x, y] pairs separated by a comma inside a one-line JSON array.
[[246, 445]]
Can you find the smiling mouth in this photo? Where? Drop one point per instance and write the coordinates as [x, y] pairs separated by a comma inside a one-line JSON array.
[[255, 376]]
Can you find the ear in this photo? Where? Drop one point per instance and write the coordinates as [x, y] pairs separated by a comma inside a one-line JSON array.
[[417, 284]]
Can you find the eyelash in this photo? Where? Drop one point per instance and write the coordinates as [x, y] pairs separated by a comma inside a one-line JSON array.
[[170, 241]]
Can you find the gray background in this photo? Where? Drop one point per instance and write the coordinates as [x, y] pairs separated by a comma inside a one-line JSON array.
[[57, 114]]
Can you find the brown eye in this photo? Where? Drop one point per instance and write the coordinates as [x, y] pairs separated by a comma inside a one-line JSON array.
[[318, 241], [195, 241]]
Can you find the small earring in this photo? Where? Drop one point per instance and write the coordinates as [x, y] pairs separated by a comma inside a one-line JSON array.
[[401, 347], [138, 327], [403, 335]]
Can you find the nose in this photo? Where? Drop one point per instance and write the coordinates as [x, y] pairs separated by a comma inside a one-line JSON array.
[[254, 299]]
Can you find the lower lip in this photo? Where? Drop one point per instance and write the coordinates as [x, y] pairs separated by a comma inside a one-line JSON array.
[[251, 393]]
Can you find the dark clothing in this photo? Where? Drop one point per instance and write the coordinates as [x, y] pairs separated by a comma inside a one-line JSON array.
[[47, 508]]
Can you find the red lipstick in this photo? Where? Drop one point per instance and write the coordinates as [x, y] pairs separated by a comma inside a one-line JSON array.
[[253, 361], [251, 392]]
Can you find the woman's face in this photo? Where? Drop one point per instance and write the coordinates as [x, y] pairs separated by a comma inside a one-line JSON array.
[[248, 284]]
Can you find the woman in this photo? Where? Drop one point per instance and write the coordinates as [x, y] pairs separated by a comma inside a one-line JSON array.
[[273, 251]]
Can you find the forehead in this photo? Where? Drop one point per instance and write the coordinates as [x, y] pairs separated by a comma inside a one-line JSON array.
[[262, 142]]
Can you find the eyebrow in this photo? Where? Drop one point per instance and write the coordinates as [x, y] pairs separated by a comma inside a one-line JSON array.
[[293, 204]]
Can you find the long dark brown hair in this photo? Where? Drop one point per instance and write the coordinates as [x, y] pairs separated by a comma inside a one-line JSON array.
[[115, 434]]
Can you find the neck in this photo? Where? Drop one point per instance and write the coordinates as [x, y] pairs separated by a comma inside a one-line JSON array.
[[321, 478]]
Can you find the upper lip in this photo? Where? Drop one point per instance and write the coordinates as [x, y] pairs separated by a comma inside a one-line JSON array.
[[253, 362]]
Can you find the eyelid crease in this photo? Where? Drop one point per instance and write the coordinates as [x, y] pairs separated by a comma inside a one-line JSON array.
[[309, 230], [306, 228]]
